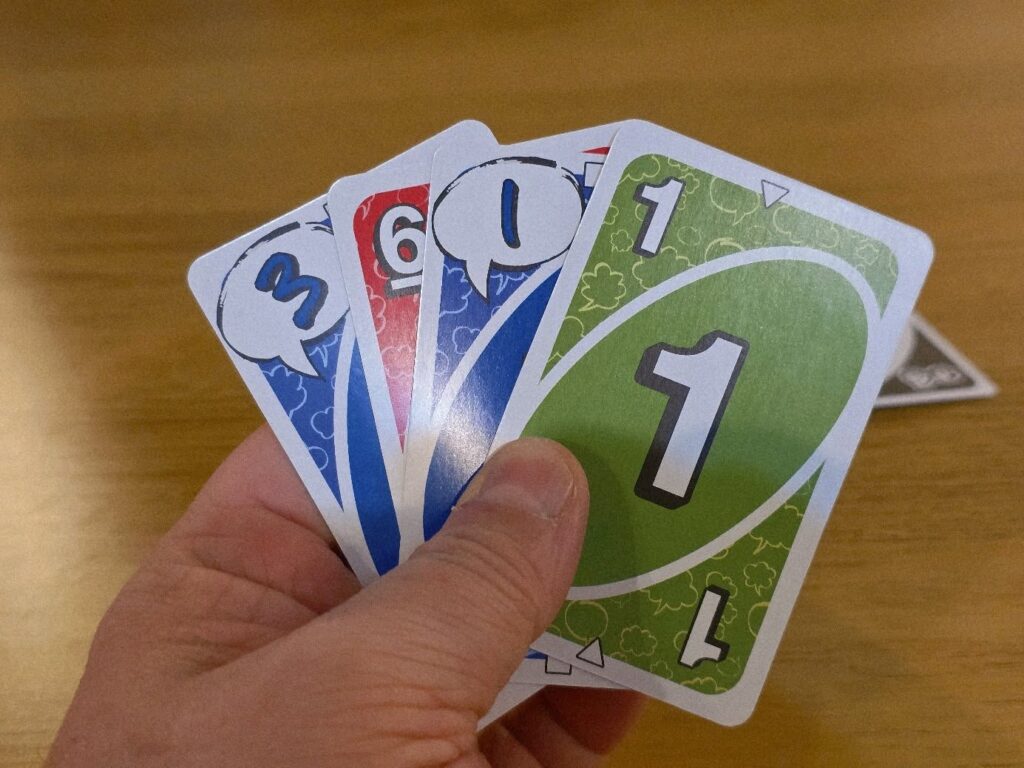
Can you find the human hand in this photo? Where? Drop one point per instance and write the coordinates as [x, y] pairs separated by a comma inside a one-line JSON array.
[[243, 640]]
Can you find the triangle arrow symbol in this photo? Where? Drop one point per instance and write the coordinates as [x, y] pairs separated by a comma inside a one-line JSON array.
[[553, 666], [772, 193], [592, 653]]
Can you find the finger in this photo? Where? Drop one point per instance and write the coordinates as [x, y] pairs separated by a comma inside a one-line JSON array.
[[248, 563], [451, 625], [562, 727], [254, 519], [258, 473]]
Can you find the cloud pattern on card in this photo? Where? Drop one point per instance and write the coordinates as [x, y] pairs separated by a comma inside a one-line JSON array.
[[747, 570], [309, 401], [464, 313]]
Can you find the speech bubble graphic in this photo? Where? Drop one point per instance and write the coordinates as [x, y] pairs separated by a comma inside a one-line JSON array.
[[283, 291], [513, 212]]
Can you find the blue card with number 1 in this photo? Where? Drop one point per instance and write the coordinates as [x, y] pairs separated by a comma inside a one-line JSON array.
[[501, 220]]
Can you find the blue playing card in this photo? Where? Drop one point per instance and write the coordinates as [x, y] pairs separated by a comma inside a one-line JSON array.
[[277, 301], [502, 219]]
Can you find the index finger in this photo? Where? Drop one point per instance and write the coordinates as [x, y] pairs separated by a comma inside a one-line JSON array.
[[259, 473]]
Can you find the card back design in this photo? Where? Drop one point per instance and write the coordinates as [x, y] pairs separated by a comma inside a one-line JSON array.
[[927, 368]]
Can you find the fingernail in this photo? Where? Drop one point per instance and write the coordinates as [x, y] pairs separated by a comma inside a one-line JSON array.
[[529, 475]]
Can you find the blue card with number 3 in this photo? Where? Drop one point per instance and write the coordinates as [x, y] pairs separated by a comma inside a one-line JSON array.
[[276, 300]]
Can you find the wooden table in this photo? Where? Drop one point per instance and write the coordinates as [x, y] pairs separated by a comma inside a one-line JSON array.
[[132, 139]]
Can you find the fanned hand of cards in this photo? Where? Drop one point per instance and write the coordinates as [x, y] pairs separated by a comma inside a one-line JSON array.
[[706, 335]]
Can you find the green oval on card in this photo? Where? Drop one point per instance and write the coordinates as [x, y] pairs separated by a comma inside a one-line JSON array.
[[806, 329]]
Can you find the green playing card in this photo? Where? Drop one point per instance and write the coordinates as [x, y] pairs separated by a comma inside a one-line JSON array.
[[711, 353]]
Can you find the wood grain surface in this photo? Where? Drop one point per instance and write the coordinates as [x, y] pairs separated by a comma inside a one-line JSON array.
[[134, 137]]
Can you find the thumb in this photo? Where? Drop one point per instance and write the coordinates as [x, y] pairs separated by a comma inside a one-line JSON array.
[[455, 620]]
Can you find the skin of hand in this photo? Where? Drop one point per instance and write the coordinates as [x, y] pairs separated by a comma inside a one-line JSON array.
[[243, 639]]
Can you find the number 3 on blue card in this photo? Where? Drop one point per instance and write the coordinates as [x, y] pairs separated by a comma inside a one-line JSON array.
[[281, 278]]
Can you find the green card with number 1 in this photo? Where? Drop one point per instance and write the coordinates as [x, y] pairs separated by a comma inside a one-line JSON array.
[[710, 353]]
